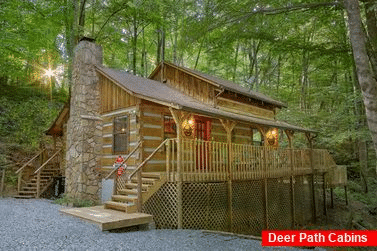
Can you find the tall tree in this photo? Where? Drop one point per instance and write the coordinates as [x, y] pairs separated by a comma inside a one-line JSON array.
[[363, 64]]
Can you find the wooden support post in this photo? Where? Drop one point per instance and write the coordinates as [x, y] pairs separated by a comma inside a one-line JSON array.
[[310, 138], [168, 157], [293, 211], [324, 196], [263, 132], [2, 181], [229, 126], [289, 134], [19, 181], [139, 191], [332, 197], [115, 186], [178, 121], [265, 203], [38, 184], [55, 142], [314, 209]]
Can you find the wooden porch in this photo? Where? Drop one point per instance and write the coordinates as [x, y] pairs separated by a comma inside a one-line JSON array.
[[209, 161], [192, 163]]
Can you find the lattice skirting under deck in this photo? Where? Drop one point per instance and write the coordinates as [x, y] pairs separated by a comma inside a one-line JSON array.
[[256, 205]]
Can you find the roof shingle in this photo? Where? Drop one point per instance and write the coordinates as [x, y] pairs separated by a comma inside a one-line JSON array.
[[159, 92]]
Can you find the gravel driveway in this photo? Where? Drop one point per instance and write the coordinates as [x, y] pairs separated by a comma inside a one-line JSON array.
[[38, 225]]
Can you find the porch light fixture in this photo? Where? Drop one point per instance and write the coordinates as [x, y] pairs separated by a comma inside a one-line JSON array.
[[188, 127], [272, 137]]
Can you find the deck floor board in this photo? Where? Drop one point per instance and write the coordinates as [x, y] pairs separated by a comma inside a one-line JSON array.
[[108, 219]]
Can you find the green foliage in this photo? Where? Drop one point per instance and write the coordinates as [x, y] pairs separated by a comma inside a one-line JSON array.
[[25, 114], [65, 200], [356, 193]]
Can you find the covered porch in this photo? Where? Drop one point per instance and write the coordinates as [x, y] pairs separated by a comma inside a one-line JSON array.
[[194, 156], [210, 161]]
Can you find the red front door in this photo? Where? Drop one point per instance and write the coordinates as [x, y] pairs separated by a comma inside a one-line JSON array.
[[203, 135]]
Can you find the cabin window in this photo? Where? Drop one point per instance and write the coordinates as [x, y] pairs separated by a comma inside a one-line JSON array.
[[121, 134], [170, 128], [258, 139]]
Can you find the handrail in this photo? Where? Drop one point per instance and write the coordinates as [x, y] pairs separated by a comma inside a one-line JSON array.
[[129, 155], [53, 156], [148, 158], [27, 163]]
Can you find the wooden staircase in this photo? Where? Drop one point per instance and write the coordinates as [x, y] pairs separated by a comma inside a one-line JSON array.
[[121, 211], [29, 189], [126, 199], [37, 174]]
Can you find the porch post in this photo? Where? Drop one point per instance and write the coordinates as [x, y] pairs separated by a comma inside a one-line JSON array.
[[289, 134], [262, 131], [229, 126], [178, 122], [2, 181], [309, 137]]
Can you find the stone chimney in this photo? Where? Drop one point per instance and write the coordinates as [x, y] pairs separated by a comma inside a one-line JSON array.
[[84, 127]]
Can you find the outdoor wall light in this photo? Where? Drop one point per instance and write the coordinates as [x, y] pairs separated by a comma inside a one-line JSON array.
[[272, 137], [188, 127]]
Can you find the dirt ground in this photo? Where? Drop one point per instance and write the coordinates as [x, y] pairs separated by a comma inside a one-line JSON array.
[[355, 215]]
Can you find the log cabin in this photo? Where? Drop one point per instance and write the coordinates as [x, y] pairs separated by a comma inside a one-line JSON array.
[[200, 151]]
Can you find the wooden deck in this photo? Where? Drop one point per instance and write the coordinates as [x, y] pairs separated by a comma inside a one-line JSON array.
[[108, 219]]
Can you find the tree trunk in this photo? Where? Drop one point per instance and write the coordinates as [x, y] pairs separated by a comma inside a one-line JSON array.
[[144, 63], [304, 81], [256, 49], [371, 22], [235, 62], [367, 83], [81, 19], [134, 48], [363, 160], [158, 51]]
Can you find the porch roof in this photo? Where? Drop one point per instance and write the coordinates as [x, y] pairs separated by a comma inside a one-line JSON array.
[[56, 127], [160, 93]]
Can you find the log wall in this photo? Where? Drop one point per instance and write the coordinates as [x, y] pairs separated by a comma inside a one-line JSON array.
[[108, 156], [151, 124]]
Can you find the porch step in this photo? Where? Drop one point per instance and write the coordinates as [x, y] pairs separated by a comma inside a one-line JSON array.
[[23, 192], [23, 196], [28, 188], [134, 186], [127, 208], [108, 219], [151, 175], [124, 198], [143, 180], [127, 191]]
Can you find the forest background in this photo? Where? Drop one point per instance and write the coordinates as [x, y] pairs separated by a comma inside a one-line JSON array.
[[299, 52]]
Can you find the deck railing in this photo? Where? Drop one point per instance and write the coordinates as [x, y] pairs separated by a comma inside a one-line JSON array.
[[217, 161]]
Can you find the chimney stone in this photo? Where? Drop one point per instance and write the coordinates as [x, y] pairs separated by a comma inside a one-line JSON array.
[[84, 129]]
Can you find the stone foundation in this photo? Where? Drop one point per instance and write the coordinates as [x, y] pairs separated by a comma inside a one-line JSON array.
[[84, 129]]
